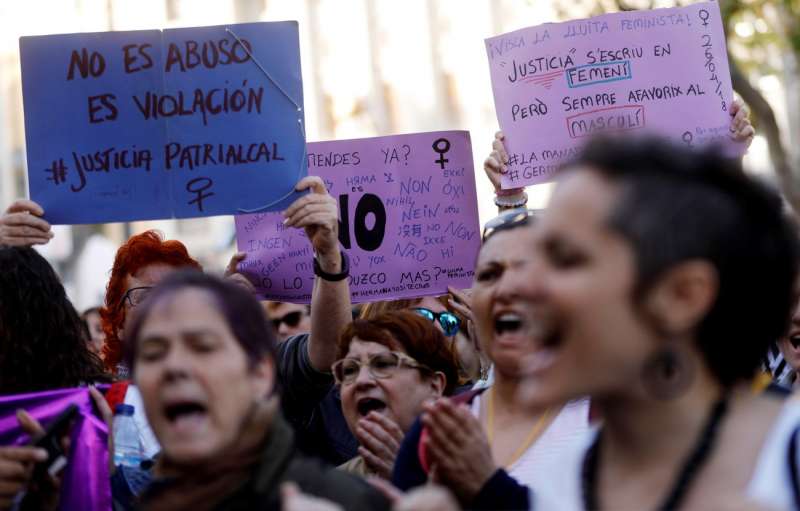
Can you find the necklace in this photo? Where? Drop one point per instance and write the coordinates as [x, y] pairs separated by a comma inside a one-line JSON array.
[[532, 435], [691, 466]]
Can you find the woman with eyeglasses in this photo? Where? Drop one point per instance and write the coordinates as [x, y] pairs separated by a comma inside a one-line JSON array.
[[388, 368], [498, 439]]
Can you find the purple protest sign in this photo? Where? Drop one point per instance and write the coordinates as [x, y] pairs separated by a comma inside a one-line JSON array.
[[664, 70], [408, 218]]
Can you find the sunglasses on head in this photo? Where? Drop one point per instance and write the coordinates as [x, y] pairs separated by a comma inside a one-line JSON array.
[[447, 320], [508, 220], [291, 319]]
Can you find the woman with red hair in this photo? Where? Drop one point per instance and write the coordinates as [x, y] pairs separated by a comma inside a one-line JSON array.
[[140, 263]]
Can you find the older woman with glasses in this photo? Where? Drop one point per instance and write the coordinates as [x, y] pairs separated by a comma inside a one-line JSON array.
[[388, 368], [451, 315]]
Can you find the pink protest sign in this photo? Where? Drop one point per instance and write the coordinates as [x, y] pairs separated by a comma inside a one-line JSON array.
[[408, 219], [663, 70]]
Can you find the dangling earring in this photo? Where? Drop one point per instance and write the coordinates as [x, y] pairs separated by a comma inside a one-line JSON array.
[[668, 373]]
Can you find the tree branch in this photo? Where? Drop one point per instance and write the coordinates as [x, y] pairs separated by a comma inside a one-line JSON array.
[[768, 125]]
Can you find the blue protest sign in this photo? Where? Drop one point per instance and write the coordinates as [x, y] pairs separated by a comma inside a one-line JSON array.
[[183, 123]]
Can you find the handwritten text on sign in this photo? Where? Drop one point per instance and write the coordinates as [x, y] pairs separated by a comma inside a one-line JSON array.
[[149, 124], [556, 84], [408, 219]]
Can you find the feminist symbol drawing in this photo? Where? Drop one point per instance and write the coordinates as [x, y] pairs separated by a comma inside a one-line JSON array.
[[687, 137], [441, 146], [198, 186]]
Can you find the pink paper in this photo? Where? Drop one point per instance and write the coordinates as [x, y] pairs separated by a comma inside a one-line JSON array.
[[663, 70], [408, 220]]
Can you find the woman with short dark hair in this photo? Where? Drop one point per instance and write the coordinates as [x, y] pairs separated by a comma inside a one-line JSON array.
[[664, 275], [203, 356]]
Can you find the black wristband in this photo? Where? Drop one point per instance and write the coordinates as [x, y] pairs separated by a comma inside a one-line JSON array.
[[334, 277]]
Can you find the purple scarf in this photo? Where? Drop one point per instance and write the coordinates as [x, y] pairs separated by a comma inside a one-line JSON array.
[[85, 484]]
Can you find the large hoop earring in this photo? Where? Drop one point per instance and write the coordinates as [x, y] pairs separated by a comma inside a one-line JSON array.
[[668, 373]]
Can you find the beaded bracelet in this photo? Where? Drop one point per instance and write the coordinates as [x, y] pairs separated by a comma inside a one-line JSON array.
[[511, 201]]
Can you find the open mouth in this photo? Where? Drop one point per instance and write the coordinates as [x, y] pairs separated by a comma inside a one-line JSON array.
[[507, 322], [369, 404], [795, 341], [184, 411]]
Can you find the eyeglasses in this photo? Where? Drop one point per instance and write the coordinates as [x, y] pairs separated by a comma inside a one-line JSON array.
[[447, 320], [380, 365], [291, 319], [135, 295], [508, 220]]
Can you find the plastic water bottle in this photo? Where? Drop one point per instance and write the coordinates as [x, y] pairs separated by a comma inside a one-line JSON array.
[[128, 450]]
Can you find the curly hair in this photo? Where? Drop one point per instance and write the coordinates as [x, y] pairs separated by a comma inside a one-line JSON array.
[[43, 344], [139, 251]]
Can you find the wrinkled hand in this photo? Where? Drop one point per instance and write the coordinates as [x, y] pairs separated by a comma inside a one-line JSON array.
[[459, 452], [317, 213], [495, 165], [16, 469], [380, 438], [20, 225], [427, 498], [741, 129], [293, 499], [232, 273]]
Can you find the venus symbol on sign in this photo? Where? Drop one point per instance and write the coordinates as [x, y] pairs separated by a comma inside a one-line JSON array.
[[441, 146], [198, 186]]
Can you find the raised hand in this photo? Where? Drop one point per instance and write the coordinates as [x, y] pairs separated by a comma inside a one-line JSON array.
[[21, 225]]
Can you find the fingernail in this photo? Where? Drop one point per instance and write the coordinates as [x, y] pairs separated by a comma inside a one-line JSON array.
[[40, 454]]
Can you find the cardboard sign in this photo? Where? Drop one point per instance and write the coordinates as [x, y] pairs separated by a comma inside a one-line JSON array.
[[182, 123], [408, 219], [555, 85]]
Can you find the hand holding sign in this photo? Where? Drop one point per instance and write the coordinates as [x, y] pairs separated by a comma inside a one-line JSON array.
[[317, 214], [404, 208], [233, 275], [496, 164], [21, 225], [662, 70], [741, 129], [182, 123]]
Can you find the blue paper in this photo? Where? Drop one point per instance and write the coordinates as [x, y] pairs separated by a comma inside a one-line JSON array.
[[194, 122]]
